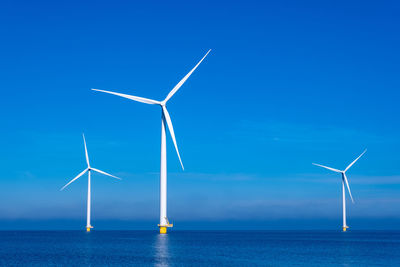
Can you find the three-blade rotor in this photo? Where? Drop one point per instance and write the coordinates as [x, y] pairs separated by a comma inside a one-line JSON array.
[[163, 103], [87, 169], [344, 177]]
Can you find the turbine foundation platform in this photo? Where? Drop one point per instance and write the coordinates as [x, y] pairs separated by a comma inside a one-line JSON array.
[[163, 228], [88, 228], [345, 228]]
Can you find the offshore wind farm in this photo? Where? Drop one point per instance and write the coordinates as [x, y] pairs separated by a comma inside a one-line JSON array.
[[259, 104]]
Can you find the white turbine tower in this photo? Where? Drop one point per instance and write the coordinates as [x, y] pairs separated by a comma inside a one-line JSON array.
[[88, 169], [165, 120], [344, 180]]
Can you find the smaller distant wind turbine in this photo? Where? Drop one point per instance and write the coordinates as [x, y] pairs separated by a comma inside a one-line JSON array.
[[88, 169], [344, 180]]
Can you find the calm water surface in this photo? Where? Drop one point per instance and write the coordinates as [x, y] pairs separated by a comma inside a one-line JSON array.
[[200, 248]]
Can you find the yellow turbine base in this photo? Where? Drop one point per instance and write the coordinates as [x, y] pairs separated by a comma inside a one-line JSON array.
[[88, 229], [345, 228], [163, 228]]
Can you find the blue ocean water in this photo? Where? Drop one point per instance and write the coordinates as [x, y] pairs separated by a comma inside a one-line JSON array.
[[199, 248]]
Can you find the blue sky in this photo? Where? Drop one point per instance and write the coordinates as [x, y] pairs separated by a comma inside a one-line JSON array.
[[286, 84]]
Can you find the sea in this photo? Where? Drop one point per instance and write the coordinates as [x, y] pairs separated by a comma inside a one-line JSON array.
[[200, 248]]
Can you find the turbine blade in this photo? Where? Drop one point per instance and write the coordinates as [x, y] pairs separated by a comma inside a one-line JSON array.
[[351, 164], [79, 175], [171, 131], [131, 97], [96, 170], [329, 168], [86, 153], [348, 187], [176, 88]]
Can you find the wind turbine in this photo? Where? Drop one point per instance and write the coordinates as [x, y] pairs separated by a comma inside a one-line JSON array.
[[165, 120], [88, 170], [344, 180]]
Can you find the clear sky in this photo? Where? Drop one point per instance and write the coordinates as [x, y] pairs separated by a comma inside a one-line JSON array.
[[286, 84]]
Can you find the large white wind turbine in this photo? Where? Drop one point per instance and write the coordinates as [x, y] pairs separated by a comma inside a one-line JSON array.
[[88, 169], [165, 120], [344, 180]]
